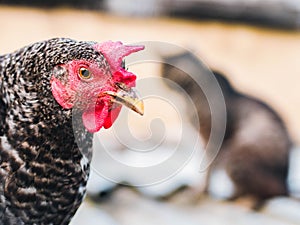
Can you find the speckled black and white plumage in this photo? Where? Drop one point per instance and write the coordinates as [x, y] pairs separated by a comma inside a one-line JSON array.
[[42, 172]]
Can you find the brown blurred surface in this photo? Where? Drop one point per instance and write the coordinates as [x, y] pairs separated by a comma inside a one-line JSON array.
[[261, 62]]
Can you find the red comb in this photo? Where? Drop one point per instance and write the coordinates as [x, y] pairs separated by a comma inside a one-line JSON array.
[[114, 53]]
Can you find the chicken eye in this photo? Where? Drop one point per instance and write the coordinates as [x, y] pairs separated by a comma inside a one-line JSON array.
[[84, 73]]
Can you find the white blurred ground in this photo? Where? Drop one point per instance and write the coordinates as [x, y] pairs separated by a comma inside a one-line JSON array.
[[143, 205], [129, 206]]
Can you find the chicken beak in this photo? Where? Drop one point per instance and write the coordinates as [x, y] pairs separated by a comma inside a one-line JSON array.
[[129, 98]]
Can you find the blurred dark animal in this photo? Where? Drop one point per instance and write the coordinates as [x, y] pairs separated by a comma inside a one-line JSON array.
[[255, 149], [278, 14]]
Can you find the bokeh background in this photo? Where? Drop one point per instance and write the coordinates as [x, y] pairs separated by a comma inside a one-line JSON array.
[[255, 43]]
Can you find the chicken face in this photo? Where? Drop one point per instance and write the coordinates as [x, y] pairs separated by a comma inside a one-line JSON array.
[[97, 90]]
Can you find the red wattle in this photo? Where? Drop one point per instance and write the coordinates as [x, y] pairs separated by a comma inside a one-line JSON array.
[[112, 116], [94, 119]]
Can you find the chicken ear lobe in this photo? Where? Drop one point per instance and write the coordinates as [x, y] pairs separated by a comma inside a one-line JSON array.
[[61, 94]]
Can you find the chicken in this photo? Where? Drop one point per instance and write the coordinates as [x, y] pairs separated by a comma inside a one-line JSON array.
[[54, 95], [255, 150]]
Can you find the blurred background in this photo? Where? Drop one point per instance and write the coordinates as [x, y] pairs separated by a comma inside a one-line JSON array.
[[255, 43]]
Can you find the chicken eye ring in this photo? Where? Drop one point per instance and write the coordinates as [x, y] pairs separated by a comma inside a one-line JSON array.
[[84, 73]]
